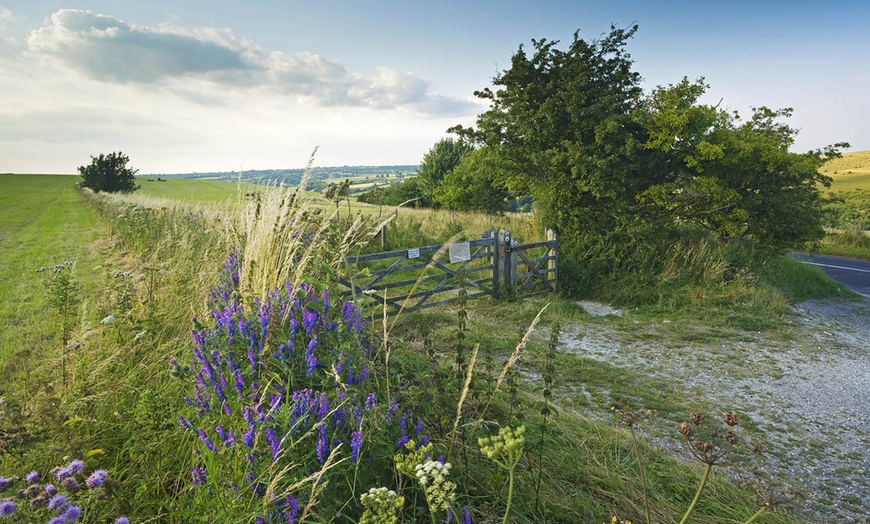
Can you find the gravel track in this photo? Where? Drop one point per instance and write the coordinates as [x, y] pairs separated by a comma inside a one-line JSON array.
[[806, 390]]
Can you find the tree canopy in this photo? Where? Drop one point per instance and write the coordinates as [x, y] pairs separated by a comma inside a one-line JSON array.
[[109, 173], [573, 129], [440, 160]]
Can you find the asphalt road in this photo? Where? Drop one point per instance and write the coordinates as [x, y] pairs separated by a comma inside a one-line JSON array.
[[852, 273]]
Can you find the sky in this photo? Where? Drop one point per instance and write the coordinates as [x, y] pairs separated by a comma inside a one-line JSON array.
[[214, 85]]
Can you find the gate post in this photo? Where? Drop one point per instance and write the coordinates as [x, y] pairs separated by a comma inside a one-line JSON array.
[[503, 261], [553, 263]]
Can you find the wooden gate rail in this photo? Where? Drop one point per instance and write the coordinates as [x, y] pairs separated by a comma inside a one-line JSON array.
[[420, 289], [492, 268]]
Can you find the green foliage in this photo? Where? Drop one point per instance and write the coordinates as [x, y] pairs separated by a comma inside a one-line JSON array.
[[561, 122], [616, 171], [473, 185], [109, 173], [437, 163]]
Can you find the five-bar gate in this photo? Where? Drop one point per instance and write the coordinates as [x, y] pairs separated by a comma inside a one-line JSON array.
[[427, 276]]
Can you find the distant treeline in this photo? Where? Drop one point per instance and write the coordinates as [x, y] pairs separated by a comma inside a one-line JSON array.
[[292, 177]]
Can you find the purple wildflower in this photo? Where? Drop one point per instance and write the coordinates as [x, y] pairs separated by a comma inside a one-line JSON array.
[[62, 473], [309, 355], [7, 508], [96, 479], [356, 439], [249, 416], [466, 515], [309, 318], [248, 438], [122, 520], [207, 441], [394, 406], [290, 514], [5, 483], [274, 442], [32, 477], [50, 489], [56, 501], [221, 433], [322, 445], [72, 513], [57, 520], [371, 402], [198, 474]]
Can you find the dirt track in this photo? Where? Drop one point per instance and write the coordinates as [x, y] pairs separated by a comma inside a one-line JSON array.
[[806, 390]]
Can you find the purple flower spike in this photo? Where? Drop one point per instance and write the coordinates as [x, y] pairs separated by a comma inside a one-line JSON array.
[[466, 516], [290, 514], [198, 474], [356, 440]]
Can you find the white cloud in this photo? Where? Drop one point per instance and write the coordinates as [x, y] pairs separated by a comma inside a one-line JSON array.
[[106, 49], [6, 16]]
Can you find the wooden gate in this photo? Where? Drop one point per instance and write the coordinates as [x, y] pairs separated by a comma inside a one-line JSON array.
[[428, 276]]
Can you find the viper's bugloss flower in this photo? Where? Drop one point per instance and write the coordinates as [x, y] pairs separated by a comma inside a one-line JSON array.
[[356, 440], [198, 475]]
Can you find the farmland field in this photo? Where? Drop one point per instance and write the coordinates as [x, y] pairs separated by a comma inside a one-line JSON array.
[[850, 172], [42, 223], [124, 400]]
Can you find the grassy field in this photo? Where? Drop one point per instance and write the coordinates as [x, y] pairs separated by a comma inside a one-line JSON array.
[[42, 223], [850, 172], [120, 405], [215, 191]]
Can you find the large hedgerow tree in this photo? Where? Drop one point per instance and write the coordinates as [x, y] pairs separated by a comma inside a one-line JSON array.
[[109, 173], [605, 161]]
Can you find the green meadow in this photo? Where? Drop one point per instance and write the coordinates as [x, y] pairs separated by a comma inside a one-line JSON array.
[[849, 172], [145, 272], [42, 223]]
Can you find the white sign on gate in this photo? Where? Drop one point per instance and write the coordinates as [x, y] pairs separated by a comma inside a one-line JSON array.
[[414, 253], [460, 252]]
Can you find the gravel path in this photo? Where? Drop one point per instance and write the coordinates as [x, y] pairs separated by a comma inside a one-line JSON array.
[[806, 389]]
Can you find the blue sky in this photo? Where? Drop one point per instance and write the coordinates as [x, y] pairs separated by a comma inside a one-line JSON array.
[[214, 85]]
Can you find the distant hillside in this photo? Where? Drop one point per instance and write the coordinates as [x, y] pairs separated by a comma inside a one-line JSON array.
[[292, 177], [850, 172]]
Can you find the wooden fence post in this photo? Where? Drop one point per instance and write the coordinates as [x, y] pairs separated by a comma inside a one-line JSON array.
[[553, 263], [502, 263]]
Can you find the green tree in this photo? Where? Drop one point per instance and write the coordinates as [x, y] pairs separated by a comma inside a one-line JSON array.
[[440, 160], [736, 178], [561, 121], [474, 185], [109, 173], [612, 168]]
